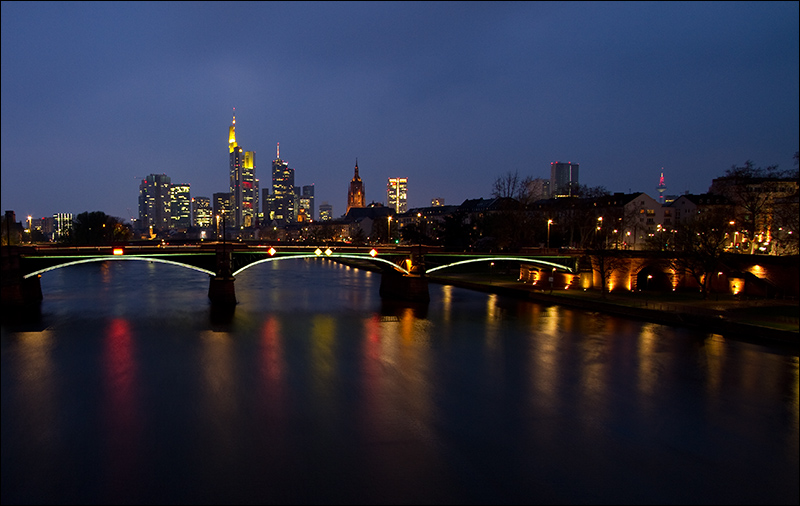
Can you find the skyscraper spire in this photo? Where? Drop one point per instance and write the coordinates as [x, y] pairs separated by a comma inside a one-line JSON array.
[[232, 133], [278, 154]]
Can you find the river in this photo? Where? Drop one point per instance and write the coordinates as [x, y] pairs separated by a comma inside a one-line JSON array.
[[130, 391]]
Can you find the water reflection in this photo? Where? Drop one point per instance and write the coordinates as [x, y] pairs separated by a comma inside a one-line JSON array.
[[122, 413], [315, 390]]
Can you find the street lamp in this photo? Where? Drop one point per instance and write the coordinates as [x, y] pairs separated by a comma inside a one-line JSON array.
[[389, 229], [549, 222]]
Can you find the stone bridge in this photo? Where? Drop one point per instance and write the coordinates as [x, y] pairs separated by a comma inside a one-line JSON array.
[[403, 268]]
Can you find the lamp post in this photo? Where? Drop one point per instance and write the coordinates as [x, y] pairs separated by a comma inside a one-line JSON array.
[[549, 222], [389, 229]]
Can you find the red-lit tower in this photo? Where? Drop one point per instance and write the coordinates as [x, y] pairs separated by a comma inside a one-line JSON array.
[[662, 187]]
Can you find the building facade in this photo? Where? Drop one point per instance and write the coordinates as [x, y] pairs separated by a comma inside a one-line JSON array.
[[180, 206], [202, 212], [325, 212], [397, 193]]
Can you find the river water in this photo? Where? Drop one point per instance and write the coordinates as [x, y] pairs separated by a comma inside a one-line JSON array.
[[131, 391]]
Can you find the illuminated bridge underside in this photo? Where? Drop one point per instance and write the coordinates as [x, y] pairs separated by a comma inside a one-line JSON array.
[[332, 255], [103, 258], [499, 259], [117, 257], [377, 260]]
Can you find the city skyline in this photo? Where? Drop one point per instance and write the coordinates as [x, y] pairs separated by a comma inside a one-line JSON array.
[[97, 96]]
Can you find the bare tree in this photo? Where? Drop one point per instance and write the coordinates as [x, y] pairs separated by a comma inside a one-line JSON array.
[[699, 245]]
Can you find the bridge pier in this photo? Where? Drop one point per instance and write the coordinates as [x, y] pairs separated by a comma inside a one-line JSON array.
[[408, 287], [221, 290], [17, 293]]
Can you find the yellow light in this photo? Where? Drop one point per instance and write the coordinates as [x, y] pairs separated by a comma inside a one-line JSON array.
[[373, 253], [118, 251], [328, 252], [318, 252], [271, 251]]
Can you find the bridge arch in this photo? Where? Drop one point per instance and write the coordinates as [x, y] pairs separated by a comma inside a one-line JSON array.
[[104, 258], [333, 255], [497, 259]]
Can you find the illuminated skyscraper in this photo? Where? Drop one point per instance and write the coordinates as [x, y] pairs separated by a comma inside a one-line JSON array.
[[355, 194], [242, 181], [63, 224], [563, 179], [307, 201], [222, 207], [396, 193], [203, 214], [180, 206], [282, 190], [325, 212], [154, 203]]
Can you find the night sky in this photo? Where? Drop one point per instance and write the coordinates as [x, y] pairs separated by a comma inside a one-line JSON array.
[[451, 95]]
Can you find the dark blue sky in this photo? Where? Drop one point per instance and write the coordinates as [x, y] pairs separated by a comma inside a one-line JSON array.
[[452, 95]]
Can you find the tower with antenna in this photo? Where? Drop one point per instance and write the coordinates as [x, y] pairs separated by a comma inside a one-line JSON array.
[[662, 187]]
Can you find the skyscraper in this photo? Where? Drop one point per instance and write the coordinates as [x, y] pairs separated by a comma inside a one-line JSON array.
[[282, 190], [396, 193], [325, 212], [242, 181], [202, 213], [355, 194], [563, 179], [222, 207], [307, 201], [180, 206], [154, 204]]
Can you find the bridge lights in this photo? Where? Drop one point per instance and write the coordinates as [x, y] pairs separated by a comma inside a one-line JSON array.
[[118, 251], [318, 252], [271, 251], [373, 253], [328, 251]]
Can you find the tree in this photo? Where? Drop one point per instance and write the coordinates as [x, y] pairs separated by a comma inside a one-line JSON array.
[[511, 186], [753, 190], [699, 245], [604, 260], [96, 228]]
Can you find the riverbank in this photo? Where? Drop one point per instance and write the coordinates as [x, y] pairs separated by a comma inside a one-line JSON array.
[[756, 320]]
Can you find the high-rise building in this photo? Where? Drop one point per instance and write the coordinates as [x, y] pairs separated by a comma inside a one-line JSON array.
[[397, 193], [306, 201], [63, 225], [154, 202], [202, 212], [180, 206], [242, 181], [355, 193], [267, 214], [283, 194], [325, 212], [222, 207], [563, 179], [249, 196]]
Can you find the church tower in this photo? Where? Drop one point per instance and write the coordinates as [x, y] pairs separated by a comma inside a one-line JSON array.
[[355, 195]]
